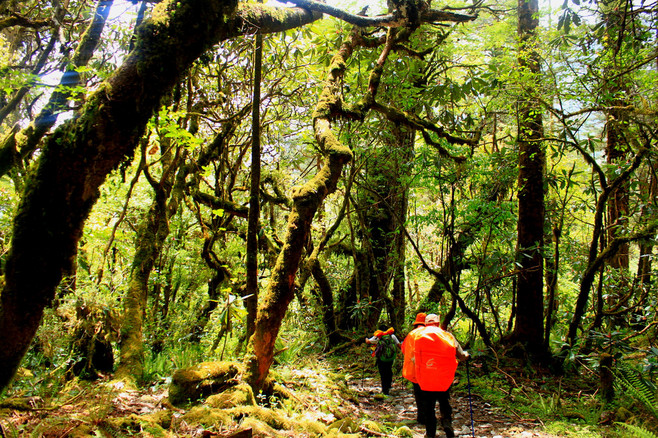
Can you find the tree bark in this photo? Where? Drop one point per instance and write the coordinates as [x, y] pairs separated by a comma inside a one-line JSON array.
[[79, 155], [149, 241], [254, 191], [528, 328]]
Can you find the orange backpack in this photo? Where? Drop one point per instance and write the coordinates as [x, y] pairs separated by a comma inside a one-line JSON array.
[[409, 366], [435, 353]]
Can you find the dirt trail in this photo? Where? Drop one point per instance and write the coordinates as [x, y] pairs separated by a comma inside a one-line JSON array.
[[400, 406]]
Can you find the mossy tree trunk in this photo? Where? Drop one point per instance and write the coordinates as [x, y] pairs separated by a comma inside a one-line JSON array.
[[384, 206], [149, 241], [618, 136], [529, 324], [77, 158]]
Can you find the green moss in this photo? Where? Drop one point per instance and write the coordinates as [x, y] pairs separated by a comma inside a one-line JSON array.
[[259, 428], [240, 395], [313, 428], [403, 431], [163, 11], [162, 418], [136, 424], [254, 13], [268, 416], [372, 425], [206, 416], [346, 425], [201, 380], [326, 101]]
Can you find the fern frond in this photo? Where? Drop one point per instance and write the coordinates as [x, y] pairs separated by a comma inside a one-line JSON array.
[[635, 386], [638, 432]]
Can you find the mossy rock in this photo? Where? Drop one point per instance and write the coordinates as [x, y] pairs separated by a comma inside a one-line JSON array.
[[623, 415], [134, 424], [22, 403], [259, 428], [372, 425], [202, 380], [206, 416], [59, 427], [309, 427], [346, 425], [240, 395], [162, 418], [267, 416], [404, 432]]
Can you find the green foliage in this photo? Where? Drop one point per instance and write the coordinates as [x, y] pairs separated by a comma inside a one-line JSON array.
[[158, 367], [638, 387], [637, 431]]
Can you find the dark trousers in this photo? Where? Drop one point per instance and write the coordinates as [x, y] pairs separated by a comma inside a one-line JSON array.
[[427, 412], [418, 395], [386, 374]]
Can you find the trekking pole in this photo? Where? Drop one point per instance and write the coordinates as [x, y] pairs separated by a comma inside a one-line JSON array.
[[470, 401], [363, 371]]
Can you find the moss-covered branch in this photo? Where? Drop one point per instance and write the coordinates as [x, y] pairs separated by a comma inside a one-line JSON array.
[[396, 19], [426, 127], [16, 19]]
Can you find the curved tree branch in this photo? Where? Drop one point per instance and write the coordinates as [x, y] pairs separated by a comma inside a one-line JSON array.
[[388, 20]]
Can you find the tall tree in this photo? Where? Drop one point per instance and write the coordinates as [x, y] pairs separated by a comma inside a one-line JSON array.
[[254, 189], [529, 306], [617, 149]]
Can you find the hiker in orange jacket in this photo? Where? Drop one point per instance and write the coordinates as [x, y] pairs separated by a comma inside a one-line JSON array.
[[436, 353], [409, 365]]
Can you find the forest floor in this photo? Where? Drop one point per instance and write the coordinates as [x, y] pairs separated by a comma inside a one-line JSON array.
[[327, 391], [488, 421]]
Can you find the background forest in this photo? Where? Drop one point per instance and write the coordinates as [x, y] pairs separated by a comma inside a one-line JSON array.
[[201, 180]]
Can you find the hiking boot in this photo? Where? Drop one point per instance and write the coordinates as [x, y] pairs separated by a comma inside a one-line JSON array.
[[449, 433]]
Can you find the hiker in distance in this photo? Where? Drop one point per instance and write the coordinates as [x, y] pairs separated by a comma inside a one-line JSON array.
[[409, 365], [436, 353], [386, 349]]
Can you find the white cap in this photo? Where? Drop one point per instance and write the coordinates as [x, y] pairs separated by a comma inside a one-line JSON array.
[[432, 318]]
